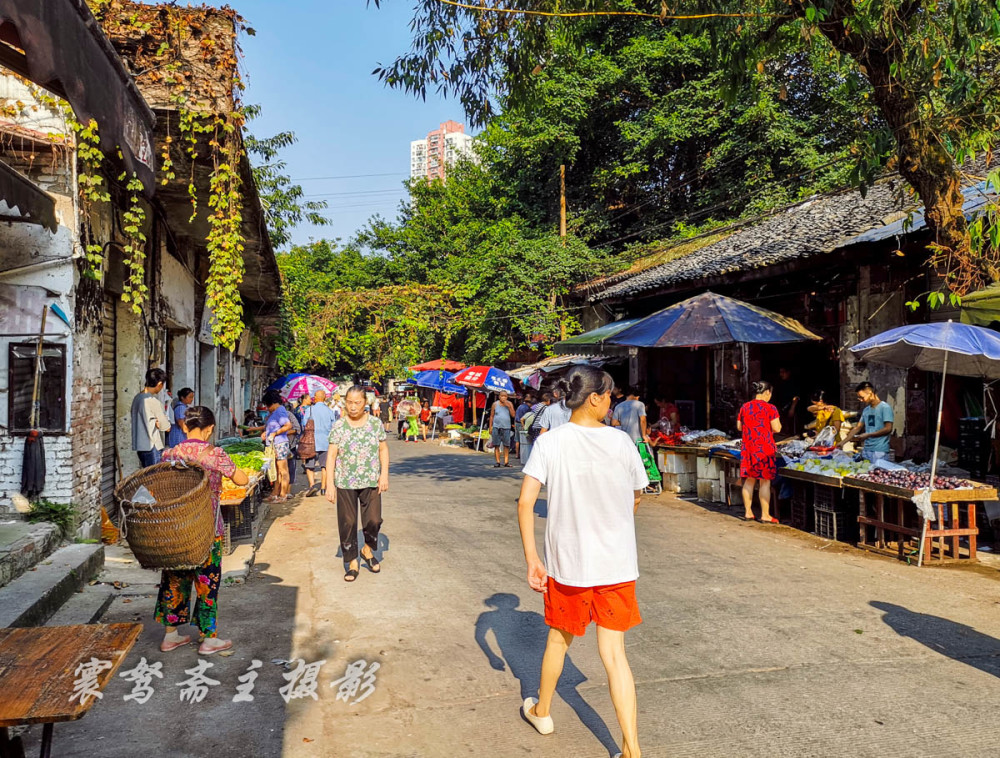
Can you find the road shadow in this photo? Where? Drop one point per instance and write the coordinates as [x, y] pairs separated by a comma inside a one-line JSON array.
[[949, 638], [542, 508], [442, 467], [383, 545], [521, 637]]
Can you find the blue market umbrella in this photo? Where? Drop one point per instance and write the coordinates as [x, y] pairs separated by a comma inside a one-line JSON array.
[[947, 347], [710, 319], [442, 381]]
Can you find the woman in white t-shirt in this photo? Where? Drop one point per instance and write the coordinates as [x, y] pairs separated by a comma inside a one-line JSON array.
[[594, 477]]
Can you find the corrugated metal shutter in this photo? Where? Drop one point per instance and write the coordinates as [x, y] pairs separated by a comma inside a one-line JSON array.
[[108, 404]]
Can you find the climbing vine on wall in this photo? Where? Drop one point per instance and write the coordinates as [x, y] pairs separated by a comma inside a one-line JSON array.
[[186, 60], [93, 189], [134, 290]]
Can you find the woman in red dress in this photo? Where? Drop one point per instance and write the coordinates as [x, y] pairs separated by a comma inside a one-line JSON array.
[[758, 421]]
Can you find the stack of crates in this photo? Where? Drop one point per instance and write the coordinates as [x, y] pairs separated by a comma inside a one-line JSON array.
[[802, 509], [680, 474], [973, 446], [828, 511]]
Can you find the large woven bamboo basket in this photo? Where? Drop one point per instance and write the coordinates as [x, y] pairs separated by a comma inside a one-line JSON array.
[[175, 532]]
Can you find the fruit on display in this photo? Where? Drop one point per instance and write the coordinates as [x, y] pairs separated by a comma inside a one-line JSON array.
[[834, 468], [910, 480]]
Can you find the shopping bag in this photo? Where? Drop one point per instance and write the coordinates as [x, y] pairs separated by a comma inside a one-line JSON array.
[[269, 463]]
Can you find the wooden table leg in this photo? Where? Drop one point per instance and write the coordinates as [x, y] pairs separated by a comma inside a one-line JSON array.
[[10, 747], [972, 525], [880, 517], [954, 525], [46, 751], [899, 522]]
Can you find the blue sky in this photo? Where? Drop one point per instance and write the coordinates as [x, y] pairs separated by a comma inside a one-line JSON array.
[[309, 67]]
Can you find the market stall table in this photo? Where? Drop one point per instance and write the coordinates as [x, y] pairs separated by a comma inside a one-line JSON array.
[[959, 505], [38, 675], [242, 508]]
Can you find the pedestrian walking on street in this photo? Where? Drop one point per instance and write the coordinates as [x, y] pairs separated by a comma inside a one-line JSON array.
[[501, 425], [149, 419], [323, 420], [758, 422], [524, 411], [594, 477], [358, 474], [276, 428], [173, 602], [556, 413]]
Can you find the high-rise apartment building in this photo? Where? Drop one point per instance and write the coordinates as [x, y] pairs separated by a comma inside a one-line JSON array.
[[431, 157]]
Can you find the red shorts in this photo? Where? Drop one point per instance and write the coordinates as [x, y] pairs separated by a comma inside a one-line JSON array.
[[571, 609]]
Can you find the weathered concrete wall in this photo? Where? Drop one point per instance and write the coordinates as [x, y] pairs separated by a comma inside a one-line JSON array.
[[867, 315], [131, 363]]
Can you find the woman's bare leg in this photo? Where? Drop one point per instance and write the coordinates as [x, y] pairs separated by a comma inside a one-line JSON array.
[[765, 499], [611, 646], [748, 485], [283, 485], [556, 646]]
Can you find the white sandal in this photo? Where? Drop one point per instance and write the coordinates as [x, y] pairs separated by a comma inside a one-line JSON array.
[[542, 724]]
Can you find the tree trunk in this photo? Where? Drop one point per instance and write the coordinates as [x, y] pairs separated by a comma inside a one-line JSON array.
[[923, 160]]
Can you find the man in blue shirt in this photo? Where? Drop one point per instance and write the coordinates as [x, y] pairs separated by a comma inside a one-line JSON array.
[[323, 419], [875, 426]]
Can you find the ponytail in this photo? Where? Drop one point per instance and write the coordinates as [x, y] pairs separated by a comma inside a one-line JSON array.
[[577, 384]]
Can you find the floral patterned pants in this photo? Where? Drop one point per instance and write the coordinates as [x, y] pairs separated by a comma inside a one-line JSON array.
[[173, 603]]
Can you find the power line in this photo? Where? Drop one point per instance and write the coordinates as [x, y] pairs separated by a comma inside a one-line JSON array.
[[359, 192], [349, 176]]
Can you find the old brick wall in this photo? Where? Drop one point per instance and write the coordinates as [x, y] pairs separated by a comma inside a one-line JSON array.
[[85, 420]]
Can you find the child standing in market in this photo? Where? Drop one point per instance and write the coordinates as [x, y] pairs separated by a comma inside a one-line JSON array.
[[594, 477], [758, 422]]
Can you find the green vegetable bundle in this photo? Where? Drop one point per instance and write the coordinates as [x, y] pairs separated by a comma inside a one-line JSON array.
[[245, 446], [252, 460]]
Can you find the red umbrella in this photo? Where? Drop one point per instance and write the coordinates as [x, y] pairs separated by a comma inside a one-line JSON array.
[[441, 364]]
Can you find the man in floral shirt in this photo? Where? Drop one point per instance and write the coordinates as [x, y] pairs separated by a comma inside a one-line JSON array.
[[357, 472]]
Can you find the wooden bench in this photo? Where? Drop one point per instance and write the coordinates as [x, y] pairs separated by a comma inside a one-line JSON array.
[[38, 673]]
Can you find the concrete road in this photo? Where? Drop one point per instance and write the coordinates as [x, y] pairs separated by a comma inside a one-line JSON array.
[[757, 641]]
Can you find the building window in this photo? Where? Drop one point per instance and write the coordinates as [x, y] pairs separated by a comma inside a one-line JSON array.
[[51, 387]]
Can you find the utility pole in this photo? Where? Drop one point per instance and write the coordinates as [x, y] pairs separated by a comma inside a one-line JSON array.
[[562, 203], [562, 229]]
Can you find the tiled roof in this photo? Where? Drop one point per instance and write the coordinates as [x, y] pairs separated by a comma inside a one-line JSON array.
[[818, 225]]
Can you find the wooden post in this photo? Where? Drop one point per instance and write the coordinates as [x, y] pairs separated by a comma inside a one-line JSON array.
[[562, 203], [708, 387], [38, 369]]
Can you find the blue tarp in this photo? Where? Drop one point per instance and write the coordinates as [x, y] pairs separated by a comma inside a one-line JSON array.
[[442, 381]]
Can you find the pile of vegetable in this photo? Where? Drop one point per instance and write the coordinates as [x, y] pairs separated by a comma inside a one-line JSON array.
[[911, 480], [244, 446], [251, 462]]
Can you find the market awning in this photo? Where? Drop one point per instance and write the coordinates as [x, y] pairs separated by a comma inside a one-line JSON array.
[[59, 45], [555, 363], [594, 340], [31, 203], [982, 308]]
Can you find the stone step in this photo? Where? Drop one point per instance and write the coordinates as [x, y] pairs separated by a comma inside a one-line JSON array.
[[32, 598], [22, 545], [84, 607]]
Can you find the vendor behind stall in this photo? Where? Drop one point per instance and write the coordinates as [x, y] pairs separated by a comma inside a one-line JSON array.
[[876, 423], [826, 415]]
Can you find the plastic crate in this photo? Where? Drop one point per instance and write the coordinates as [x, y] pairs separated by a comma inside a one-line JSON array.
[[800, 493], [802, 516], [827, 498], [829, 524]]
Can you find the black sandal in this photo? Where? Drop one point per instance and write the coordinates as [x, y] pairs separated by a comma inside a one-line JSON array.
[[351, 575], [373, 565]]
